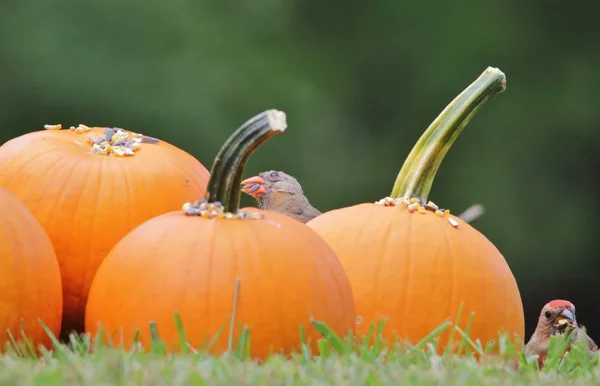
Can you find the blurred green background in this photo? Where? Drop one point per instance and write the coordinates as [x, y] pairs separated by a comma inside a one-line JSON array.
[[359, 81]]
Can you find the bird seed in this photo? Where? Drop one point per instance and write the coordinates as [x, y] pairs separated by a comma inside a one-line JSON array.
[[210, 210], [414, 204], [114, 142]]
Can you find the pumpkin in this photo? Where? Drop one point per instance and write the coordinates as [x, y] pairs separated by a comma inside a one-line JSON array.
[[89, 186], [416, 265], [30, 285], [220, 267]]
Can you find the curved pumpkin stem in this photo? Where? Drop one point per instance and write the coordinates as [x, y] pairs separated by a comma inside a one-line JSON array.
[[228, 167], [421, 165]]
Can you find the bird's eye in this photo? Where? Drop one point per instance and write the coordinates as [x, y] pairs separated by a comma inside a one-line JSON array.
[[547, 314], [274, 175]]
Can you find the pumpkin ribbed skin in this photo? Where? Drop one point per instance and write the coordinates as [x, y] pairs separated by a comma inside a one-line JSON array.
[[88, 202], [415, 270], [30, 285], [186, 264], [418, 266]]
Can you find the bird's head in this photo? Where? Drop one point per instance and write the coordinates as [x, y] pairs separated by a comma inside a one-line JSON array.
[[557, 317], [271, 185]]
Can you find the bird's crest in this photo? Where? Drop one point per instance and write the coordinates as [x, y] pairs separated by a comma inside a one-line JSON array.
[[558, 303]]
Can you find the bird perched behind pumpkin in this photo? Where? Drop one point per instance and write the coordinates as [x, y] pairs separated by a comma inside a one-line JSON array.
[[557, 317], [280, 192]]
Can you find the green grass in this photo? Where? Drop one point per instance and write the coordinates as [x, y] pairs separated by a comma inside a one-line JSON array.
[[339, 361]]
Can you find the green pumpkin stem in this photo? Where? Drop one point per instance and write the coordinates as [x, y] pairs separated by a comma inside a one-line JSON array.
[[228, 167], [421, 165]]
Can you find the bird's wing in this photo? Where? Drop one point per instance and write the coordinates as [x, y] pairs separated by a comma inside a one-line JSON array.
[[590, 342], [528, 349], [592, 345]]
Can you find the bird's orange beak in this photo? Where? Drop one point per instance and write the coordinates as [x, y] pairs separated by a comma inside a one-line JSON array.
[[254, 186]]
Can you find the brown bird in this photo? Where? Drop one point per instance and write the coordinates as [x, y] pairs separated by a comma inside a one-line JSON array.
[[280, 192], [557, 317]]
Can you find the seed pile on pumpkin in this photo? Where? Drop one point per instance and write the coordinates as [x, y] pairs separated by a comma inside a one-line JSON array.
[[414, 204], [207, 209], [415, 264], [88, 187], [117, 141], [221, 269]]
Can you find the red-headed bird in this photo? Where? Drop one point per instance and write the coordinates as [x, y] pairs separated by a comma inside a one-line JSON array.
[[557, 317]]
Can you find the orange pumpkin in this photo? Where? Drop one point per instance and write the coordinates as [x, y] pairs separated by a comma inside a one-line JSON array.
[[189, 261], [90, 186], [413, 263], [30, 286]]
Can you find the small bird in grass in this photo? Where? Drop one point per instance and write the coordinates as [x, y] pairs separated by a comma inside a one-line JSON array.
[[557, 317], [280, 192]]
